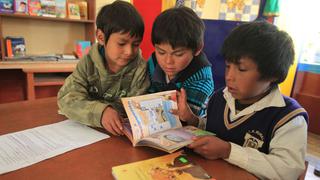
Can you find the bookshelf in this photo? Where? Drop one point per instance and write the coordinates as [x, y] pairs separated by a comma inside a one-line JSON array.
[[61, 33], [27, 80]]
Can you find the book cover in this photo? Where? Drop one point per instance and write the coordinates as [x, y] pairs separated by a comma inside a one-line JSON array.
[[34, 7], [150, 122], [21, 6], [48, 8], [73, 10], [176, 166], [82, 48], [15, 46], [61, 8], [6, 6], [83, 9]]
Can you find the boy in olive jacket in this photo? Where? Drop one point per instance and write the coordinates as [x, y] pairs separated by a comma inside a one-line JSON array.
[[112, 69]]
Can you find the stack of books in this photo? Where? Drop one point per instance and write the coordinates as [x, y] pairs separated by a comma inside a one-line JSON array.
[[48, 8]]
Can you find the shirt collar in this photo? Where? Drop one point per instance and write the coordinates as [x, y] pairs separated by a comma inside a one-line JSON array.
[[273, 99]]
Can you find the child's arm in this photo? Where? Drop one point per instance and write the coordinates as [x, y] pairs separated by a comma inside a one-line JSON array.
[[74, 101], [211, 147], [199, 88], [284, 161], [111, 121], [286, 157]]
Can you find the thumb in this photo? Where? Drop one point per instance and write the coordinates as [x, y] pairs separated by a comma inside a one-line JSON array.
[[183, 96]]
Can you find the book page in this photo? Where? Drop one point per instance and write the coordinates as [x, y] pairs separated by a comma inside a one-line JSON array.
[[149, 114], [173, 139], [24, 148]]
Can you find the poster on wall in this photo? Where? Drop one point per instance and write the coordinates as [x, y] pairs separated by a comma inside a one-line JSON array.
[[231, 10]]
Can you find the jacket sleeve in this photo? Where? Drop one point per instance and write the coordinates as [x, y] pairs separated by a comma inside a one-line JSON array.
[[140, 82], [74, 101], [199, 88], [286, 157]]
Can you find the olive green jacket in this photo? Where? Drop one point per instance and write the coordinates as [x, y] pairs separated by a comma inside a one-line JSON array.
[[91, 88]]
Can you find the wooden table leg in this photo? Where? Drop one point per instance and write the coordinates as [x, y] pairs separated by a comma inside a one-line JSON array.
[[30, 86]]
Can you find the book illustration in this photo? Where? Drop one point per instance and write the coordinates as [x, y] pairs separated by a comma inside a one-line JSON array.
[[173, 139], [6, 6], [34, 8], [48, 8], [153, 113], [82, 48], [61, 10], [148, 114], [83, 9], [15, 46], [73, 11], [150, 122], [21, 6], [170, 167]]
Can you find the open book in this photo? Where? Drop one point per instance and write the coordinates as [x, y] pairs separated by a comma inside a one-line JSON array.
[[172, 166], [151, 123]]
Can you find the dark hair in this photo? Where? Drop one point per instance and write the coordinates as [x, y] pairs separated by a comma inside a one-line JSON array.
[[180, 27], [271, 49], [120, 16]]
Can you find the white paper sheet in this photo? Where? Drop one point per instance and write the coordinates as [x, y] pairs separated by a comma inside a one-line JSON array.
[[24, 148]]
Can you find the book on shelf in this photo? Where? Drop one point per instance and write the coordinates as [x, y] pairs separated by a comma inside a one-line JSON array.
[[45, 57], [82, 48], [73, 10], [83, 9], [61, 9], [6, 6], [150, 122], [172, 166], [21, 6], [34, 7], [48, 8], [15, 46]]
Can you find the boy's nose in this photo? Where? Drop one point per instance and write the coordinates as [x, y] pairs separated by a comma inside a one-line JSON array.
[[229, 74], [128, 50], [168, 59]]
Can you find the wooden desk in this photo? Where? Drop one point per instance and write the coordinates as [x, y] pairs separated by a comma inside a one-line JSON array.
[[41, 73], [90, 162]]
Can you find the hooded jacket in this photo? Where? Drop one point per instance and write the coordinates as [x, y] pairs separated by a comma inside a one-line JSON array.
[[91, 88]]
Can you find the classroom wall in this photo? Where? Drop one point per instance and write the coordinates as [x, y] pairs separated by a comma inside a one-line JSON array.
[[100, 3], [301, 26]]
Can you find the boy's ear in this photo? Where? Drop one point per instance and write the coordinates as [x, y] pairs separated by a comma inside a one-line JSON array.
[[100, 37], [198, 51]]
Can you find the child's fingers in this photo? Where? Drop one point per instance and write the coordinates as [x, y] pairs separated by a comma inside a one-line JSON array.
[[117, 126], [109, 128], [183, 95], [174, 96], [198, 142]]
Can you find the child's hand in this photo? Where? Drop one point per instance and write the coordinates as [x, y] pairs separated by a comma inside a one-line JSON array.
[[111, 121], [184, 112], [211, 147]]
